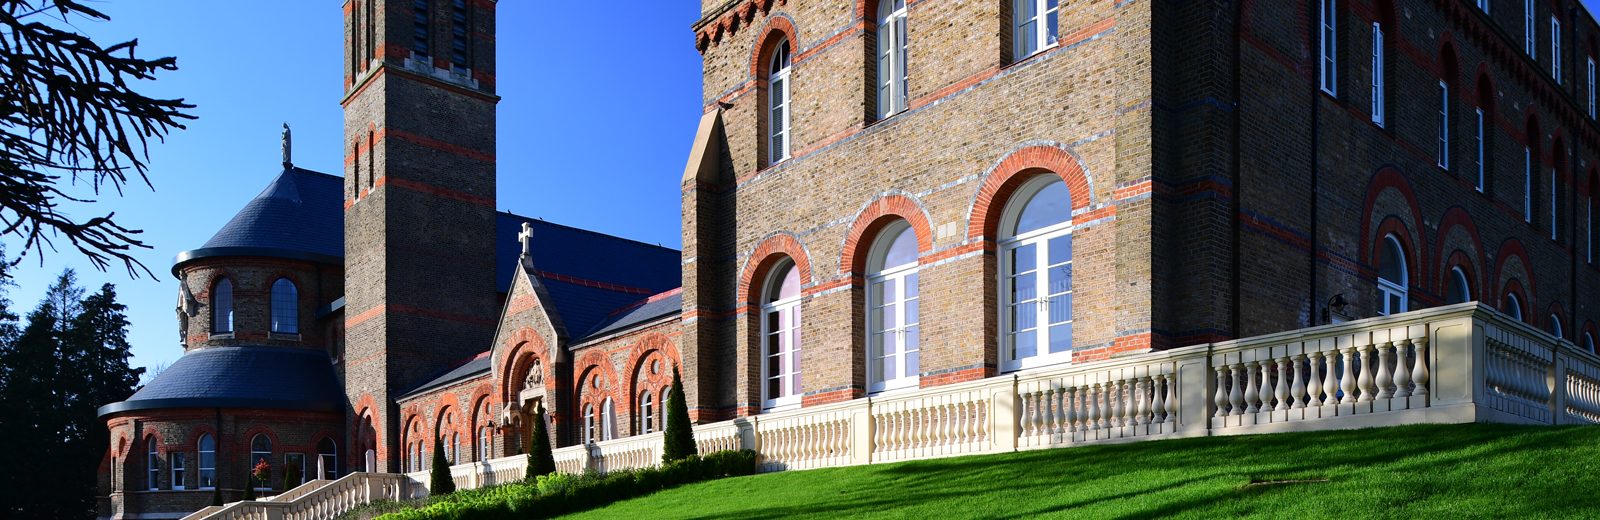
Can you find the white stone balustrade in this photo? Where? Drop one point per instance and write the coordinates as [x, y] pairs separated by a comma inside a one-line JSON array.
[[1455, 364]]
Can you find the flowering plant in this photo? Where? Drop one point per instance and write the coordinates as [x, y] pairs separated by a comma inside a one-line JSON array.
[[261, 471]]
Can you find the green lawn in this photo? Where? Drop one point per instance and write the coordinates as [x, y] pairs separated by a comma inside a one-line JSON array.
[[1430, 471]]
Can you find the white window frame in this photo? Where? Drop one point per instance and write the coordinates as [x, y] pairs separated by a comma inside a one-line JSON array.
[[892, 81], [1590, 90], [1443, 152], [203, 470], [1478, 142], [787, 358], [1555, 48], [485, 441], [589, 426], [1042, 37], [266, 484], [1527, 184], [1379, 104], [908, 375], [778, 106], [1459, 277], [222, 307], [608, 416], [1530, 39], [1389, 290], [153, 465], [331, 467], [177, 465], [1039, 239], [1327, 45], [647, 417]]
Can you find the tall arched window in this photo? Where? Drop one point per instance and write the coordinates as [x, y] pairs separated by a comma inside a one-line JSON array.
[[152, 465], [780, 337], [207, 446], [455, 448], [1392, 277], [1034, 24], [222, 307], [460, 35], [485, 438], [416, 456], [1513, 306], [1382, 26], [665, 393], [179, 462], [647, 414], [588, 424], [608, 418], [1459, 290], [285, 308], [893, 333], [1447, 83], [1036, 275], [892, 82], [1528, 160], [261, 452], [328, 453], [420, 30], [1482, 116], [1555, 327], [778, 104]]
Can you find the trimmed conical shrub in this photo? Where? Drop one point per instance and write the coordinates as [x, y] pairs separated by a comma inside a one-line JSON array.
[[541, 457], [679, 437], [439, 482], [249, 486], [291, 477]]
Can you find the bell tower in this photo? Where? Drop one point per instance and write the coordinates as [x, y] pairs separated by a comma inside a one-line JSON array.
[[419, 203]]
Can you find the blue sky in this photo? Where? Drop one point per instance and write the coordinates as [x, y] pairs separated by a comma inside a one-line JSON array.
[[593, 131]]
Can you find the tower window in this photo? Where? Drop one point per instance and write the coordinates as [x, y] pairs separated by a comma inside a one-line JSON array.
[[1034, 24], [1513, 306], [1327, 43], [1444, 125], [180, 465], [222, 307], [1590, 89], [419, 28], [208, 461], [285, 307], [1555, 49], [1529, 38], [1527, 184], [1478, 142], [778, 100], [152, 465], [460, 53], [261, 452]]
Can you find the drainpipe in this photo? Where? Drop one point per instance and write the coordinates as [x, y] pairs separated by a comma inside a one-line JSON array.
[[1316, 138]]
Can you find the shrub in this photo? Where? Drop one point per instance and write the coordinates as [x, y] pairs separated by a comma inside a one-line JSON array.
[[678, 440], [439, 481], [541, 458], [291, 477]]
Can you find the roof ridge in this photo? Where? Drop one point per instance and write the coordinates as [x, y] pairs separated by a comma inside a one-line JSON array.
[[588, 231]]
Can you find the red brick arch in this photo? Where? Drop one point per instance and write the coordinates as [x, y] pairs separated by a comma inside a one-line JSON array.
[[1386, 179], [1453, 218], [765, 256], [1011, 172], [880, 213], [522, 347], [777, 29]]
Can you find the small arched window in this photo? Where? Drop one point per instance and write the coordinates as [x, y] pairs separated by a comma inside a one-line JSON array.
[[891, 82], [328, 453], [261, 453], [1392, 277], [778, 104], [588, 424], [608, 416], [152, 465], [1513, 306], [455, 448], [665, 393], [893, 303], [1459, 291], [207, 446], [1588, 342], [1555, 327], [1036, 275], [780, 337], [1034, 25], [647, 415], [285, 307], [222, 307]]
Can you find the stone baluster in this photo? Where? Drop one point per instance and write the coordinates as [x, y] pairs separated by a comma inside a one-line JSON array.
[[1158, 409], [1385, 377], [1402, 372], [1266, 385], [1347, 382], [1138, 402], [1250, 388], [1314, 386], [1221, 399], [1108, 410], [1330, 378], [1364, 380], [1419, 367], [1281, 392], [1237, 396], [1172, 397], [1095, 397], [1297, 391], [1119, 405]]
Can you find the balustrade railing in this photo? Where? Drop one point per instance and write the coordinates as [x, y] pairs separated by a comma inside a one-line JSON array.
[[1461, 363], [315, 500]]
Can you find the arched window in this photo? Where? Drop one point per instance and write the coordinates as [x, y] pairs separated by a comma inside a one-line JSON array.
[[207, 446], [261, 453], [420, 29], [484, 441], [1588, 342], [285, 308], [179, 462], [455, 448], [1036, 275], [1381, 26], [1459, 290], [1034, 24], [1392, 277], [152, 465], [780, 337], [328, 453], [1446, 83], [647, 416], [416, 456], [1513, 306], [778, 104], [892, 83], [1555, 327], [222, 307], [608, 416], [460, 36], [1528, 160], [665, 393], [1482, 149], [588, 424], [893, 333]]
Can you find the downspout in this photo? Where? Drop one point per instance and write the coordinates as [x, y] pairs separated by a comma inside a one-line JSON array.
[[1316, 138], [1235, 321]]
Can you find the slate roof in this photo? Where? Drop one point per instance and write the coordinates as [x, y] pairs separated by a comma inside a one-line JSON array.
[[478, 366], [643, 311], [274, 378], [299, 216], [587, 275]]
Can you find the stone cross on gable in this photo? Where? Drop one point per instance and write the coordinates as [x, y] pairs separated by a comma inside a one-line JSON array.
[[526, 237]]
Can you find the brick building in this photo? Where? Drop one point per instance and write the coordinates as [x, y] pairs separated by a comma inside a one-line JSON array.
[[884, 196]]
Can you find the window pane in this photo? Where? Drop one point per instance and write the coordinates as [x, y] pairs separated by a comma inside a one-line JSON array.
[[1024, 345], [911, 286], [1060, 279], [1060, 338], [1391, 265], [912, 308], [902, 251], [1060, 249], [1023, 258], [1024, 316], [1061, 308], [285, 307], [1050, 206]]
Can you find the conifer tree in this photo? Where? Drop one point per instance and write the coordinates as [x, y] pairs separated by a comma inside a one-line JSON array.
[[439, 482], [679, 437], [541, 458]]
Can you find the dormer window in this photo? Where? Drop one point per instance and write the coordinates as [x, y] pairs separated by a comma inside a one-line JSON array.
[[1034, 25]]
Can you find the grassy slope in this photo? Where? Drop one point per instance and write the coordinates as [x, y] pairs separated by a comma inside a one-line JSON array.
[[1431, 471]]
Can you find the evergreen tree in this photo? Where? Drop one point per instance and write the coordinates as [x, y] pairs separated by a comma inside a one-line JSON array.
[[439, 482], [541, 458], [679, 437], [291, 477], [249, 485]]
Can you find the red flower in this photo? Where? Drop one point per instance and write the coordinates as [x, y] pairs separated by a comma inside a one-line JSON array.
[[262, 470]]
